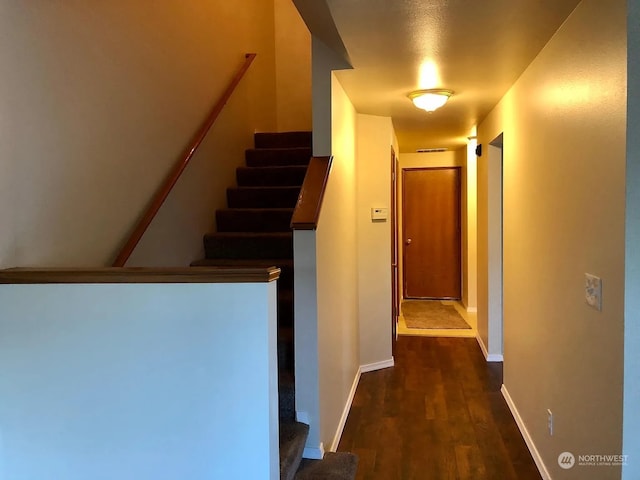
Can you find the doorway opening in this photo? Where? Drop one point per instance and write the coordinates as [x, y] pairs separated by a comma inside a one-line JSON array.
[[495, 193], [431, 246], [431, 233]]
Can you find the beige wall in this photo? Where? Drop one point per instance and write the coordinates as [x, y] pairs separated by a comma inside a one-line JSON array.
[[374, 141], [564, 182], [293, 68], [99, 100], [419, 160], [337, 276]]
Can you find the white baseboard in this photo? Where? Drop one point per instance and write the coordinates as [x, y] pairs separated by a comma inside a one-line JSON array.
[[494, 357], [377, 366], [314, 453], [468, 308], [302, 417], [354, 386], [345, 412], [525, 434]]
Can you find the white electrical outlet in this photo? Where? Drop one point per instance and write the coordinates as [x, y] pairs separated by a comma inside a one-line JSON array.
[[550, 421], [593, 291]]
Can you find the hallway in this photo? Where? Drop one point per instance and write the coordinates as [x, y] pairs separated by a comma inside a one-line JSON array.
[[438, 414]]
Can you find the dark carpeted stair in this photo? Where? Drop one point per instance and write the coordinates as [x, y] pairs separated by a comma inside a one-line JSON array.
[[249, 245], [254, 231], [271, 176], [253, 219], [263, 197], [334, 466], [293, 436], [283, 140], [273, 157]]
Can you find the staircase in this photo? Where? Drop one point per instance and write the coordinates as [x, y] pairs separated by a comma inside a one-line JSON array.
[[254, 230]]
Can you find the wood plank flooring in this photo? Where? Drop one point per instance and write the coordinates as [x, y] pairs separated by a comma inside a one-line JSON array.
[[438, 414]]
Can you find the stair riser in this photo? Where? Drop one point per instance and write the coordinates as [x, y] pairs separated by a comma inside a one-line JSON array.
[[252, 247], [285, 282], [285, 312], [287, 403], [293, 437], [283, 140], [277, 157], [281, 197], [253, 221], [270, 176], [286, 358]]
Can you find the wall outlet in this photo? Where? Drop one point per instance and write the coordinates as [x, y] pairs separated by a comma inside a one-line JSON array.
[[550, 421], [593, 291]]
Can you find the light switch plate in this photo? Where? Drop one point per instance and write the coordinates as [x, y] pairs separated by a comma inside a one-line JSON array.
[[379, 214], [593, 291]]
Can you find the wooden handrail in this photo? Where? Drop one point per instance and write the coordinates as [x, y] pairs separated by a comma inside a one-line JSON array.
[[38, 276], [163, 192], [307, 211]]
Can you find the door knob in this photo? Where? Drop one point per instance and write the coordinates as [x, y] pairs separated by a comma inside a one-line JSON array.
[[408, 241]]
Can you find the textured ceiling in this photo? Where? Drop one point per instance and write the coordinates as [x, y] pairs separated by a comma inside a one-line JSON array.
[[477, 48]]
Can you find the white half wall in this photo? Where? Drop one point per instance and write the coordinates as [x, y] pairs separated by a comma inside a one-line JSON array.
[[138, 382], [306, 337]]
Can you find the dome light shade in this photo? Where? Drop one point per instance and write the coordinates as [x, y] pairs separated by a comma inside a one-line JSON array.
[[431, 99]]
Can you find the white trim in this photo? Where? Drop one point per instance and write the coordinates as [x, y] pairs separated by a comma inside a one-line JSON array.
[[314, 453], [345, 412], [467, 308], [303, 417], [377, 366], [525, 434], [493, 357], [354, 386]]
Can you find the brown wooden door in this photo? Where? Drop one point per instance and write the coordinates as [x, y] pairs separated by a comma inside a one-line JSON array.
[[431, 233]]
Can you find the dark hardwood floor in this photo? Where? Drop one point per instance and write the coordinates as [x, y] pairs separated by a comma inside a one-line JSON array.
[[438, 414]]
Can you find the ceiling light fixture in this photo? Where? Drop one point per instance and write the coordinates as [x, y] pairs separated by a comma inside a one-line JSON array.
[[430, 99]]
